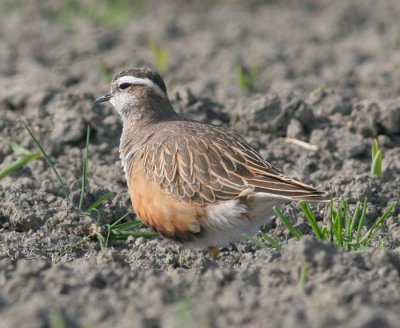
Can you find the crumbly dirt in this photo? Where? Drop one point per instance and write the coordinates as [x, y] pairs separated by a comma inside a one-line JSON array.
[[328, 74]]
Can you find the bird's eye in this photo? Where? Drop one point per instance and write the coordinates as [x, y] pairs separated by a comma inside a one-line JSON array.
[[124, 86]]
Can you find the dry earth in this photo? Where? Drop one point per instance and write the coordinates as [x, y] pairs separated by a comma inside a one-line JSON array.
[[328, 74]]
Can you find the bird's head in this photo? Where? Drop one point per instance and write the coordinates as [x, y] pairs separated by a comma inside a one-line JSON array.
[[138, 92]]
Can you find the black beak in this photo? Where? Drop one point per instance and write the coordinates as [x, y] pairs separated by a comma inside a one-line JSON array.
[[104, 98]]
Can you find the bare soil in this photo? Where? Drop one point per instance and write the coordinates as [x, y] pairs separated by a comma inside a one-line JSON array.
[[328, 74]]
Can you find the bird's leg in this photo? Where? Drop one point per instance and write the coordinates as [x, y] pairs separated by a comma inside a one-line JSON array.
[[212, 252]]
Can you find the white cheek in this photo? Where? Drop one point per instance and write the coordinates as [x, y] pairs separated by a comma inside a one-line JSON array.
[[122, 103]]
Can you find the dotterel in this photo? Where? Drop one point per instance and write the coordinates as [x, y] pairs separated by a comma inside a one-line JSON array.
[[198, 184]]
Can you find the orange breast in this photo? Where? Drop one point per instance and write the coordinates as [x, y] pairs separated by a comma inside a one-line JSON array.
[[157, 209]]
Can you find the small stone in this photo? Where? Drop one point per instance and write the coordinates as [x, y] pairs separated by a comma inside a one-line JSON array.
[[131, 240], [140, 241]]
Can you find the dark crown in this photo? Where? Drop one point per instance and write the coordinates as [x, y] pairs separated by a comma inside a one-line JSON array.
[[144, 72]]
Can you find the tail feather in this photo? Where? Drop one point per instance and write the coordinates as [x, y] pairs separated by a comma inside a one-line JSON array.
[[287, 188], [315, 197]]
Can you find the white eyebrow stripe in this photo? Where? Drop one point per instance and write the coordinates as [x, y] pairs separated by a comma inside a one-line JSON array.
[[142, 81]]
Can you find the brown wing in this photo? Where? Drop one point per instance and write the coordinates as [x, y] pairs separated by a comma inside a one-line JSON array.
[[201, 164]]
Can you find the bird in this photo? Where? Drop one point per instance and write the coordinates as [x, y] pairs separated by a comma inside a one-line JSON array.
[[198, 184]]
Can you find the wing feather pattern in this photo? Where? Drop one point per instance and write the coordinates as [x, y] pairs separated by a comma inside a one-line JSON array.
[[201, 164]]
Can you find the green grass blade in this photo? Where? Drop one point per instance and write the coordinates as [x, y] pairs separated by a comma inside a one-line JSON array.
[[362, 219], [377, 225], [303, 274], [311, 219], [331, 212], [246, 78], [99, 201], [253, 73], [20, 162], [347, 219], [374, 148], [105, 73], [376, 167], [256, 242], [326, 233], [241, 79], [108, 227], [385, 239], [102, 241], [130, 225], [56, 319], [85, 169], [285, 221], [329, 235], [354, 220], [338, 226], [123, 217], [98, 214], [48, 160], [271, 241], [16, 148]]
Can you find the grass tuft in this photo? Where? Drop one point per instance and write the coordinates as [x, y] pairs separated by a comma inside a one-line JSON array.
[[120, 231], [344, 229]]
